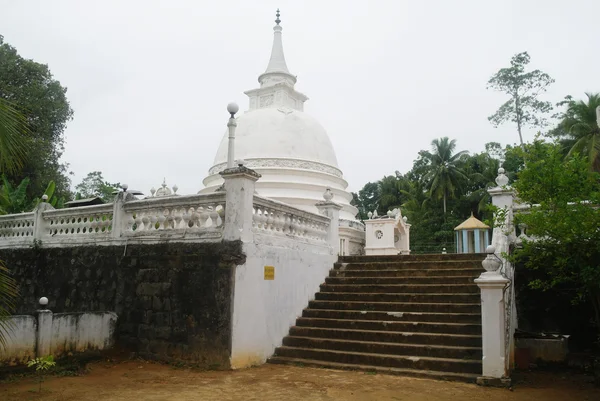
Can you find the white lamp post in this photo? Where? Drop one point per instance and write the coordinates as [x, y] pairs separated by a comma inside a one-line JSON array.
[[232, 108]]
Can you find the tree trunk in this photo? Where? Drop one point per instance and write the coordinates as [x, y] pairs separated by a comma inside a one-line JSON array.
[[518, 115], [444, 205]]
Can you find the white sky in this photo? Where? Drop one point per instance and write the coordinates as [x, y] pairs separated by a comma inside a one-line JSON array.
[[149, 80]]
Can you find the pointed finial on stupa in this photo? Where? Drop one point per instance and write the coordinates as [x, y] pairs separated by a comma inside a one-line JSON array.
[[277, 63]]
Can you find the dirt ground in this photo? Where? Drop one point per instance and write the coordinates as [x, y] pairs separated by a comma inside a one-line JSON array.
[[140, 380]]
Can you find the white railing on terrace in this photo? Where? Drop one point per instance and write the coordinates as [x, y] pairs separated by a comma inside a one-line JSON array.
[[81, 222], [17, 226], [189, 215], [184, 217], [276, 218]]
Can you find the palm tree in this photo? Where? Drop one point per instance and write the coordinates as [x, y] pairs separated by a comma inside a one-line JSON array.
[[13, 131], [444, 174], [482, 173], [579, 129]]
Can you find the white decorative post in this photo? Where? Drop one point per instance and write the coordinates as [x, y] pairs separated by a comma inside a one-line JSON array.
[[492, 285], [332, 210], [44, 329], [119, 218], [239, 201], [232, 108], [39, 225]]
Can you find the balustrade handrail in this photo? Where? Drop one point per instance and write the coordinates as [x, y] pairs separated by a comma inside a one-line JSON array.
[[284, 207], [174, 201], [18, 216], [79, 211]]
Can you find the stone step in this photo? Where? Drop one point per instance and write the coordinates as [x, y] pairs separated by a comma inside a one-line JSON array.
[[415, 280], [407, 258], [385, 325], [393, 316], [397, 306], [388, 348], [473, 273], [425, 374], [421, 265], [402, 288], [398, 297], [472, 366], [457, 340]]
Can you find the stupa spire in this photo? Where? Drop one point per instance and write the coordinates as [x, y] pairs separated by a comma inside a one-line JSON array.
[[277, 64]]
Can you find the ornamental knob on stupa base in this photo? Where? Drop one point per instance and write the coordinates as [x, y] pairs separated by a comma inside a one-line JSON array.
[[328, 195]]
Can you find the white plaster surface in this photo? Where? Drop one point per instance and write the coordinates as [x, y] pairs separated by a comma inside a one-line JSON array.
[[57, 334], [78, 332], [20, 340], [264, 310], [493, 324]]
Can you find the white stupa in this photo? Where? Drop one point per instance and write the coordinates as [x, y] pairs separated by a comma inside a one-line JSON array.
[[288, 147]]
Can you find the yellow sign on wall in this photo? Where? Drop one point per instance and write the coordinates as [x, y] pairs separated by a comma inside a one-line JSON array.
[[269, 273]]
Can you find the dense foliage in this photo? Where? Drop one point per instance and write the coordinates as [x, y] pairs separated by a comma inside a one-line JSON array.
[[94, 185], [31, 89], [564, 223], [441, 190]]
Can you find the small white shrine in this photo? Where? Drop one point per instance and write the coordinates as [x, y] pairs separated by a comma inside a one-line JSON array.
[[472, 236], [387, 235]]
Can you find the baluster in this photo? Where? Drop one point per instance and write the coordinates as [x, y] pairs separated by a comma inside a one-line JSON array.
[[221, 214], [269, 222], [187, 217], [177, 218], [203, 217], [213, 218], [153, 219]]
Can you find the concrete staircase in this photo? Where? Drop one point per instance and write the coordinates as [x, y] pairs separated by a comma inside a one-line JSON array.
[[417, 315]]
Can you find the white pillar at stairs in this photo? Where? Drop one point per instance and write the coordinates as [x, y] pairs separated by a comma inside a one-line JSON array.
[[492, 285]]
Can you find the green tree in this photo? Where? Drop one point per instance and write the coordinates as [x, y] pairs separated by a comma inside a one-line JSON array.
[[523, 108], [13, 132], [566, 249], [367, 199], [31, 89], [94, 185], [579, 128], [13, 135], [392, 189], [8, 294], [13, 199], [444, 174], [482, 170]]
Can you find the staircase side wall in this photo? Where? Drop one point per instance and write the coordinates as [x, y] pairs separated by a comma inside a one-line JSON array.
[[265, 309]]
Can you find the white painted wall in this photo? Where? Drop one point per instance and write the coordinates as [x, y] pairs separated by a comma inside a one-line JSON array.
[[78, 332], [58, 334], [20, 340], [264, 310]]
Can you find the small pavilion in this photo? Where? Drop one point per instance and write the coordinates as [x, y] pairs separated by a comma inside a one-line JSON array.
[[472, 236]]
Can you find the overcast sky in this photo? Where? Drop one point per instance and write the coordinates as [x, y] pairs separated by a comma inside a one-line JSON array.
[[149, 81]]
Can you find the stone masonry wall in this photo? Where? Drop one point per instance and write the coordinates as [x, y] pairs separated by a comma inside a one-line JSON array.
[[173, 301]]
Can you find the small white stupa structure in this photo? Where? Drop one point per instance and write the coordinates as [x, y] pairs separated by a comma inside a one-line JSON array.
[[288, 148], [387, 235]]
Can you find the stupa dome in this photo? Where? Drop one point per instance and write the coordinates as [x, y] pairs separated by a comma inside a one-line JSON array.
[[288, 147]]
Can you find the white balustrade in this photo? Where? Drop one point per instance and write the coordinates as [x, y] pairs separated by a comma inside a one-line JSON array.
[[183, 214], [275, 218], [78, 222], [17, 225]]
